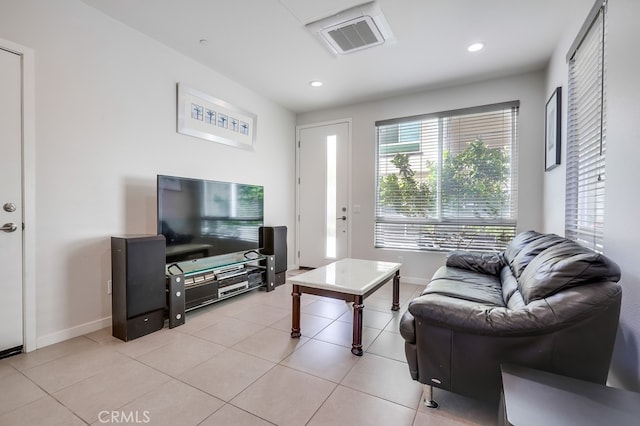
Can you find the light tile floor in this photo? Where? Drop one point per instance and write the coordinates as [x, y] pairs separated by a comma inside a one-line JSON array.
[[234, 363]]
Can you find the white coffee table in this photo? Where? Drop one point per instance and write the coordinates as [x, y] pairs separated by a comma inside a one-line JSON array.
[[351, 280]]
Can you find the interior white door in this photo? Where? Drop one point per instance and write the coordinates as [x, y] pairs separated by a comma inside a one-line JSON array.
[[323, 194], [11, 320]]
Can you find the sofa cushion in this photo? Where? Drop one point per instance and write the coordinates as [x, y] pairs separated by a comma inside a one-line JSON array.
[[466, 285], [564, 265], [485, 263], [525, 247]]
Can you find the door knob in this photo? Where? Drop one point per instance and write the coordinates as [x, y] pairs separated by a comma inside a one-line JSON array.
[[342, 218], [9, 227]]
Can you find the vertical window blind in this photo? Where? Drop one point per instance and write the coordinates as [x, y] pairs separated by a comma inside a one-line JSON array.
[[586, 134], [448, 181]]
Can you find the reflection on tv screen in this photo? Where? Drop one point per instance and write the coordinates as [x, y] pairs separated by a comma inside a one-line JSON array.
[[202, 218]]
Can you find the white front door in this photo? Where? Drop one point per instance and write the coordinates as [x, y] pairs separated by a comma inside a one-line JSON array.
[[11, 321], [323, 193]]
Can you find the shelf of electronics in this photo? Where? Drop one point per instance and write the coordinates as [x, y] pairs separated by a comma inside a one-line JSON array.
[[212, 285]]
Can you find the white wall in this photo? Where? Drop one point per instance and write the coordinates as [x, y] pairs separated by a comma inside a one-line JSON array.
[[557, 75], [105, 127], [622, 203], [528, 89]]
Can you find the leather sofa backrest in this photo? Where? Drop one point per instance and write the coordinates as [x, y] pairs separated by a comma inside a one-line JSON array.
[[526, 246], [563, 265]]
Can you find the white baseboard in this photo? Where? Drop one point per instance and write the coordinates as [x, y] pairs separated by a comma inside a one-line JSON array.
[[413, 280], [70, 333], [90, 327]]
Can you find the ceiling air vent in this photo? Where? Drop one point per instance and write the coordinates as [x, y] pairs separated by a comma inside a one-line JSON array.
[[354, 29]]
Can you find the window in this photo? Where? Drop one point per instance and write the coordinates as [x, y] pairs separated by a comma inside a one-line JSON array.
[[448, 181], [586, 135]]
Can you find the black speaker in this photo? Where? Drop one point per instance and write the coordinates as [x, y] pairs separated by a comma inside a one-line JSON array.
[[138, 296], [273, 241], [175, 300]]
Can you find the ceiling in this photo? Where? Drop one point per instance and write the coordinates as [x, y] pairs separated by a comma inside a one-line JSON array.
[[264, 45]]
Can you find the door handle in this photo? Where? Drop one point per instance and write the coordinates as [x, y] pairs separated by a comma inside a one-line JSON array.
[[341, 218], [9, 227]]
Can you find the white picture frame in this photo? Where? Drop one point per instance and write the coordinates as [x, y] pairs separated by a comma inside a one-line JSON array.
[[204, 116]]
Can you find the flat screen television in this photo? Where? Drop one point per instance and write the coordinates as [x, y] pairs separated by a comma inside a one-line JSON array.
[[202, 218]]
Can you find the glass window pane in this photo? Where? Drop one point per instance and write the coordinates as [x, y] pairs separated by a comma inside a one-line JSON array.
[[446, 181], [331, 231]]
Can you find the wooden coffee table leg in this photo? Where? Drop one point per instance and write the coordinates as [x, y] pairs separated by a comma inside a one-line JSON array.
[[396, 292], [356, 347], [295, 315]]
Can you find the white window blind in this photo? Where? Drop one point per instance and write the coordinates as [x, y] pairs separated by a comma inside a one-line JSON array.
[[586, 135], [448, 181]]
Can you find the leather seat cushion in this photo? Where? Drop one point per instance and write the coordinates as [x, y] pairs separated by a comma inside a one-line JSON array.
[[466, 285]]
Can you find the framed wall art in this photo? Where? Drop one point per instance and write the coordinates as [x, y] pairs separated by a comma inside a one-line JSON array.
[[552, 130], [204, 116]]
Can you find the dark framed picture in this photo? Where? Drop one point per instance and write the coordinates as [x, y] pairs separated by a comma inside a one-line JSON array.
[[552, 123]]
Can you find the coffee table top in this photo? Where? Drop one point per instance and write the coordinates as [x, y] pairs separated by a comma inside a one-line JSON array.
[[352, 276]]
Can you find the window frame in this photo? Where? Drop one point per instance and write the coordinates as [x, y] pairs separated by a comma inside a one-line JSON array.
[[442, 221]]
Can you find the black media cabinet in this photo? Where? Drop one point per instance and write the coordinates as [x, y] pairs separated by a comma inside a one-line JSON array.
[[212, 279]]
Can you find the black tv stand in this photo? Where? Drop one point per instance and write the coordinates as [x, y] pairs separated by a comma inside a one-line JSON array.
[[212, 279]]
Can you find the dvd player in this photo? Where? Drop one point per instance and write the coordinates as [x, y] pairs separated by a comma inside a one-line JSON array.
[[229, 271], [232, 280], [230, 274], [232, 288]]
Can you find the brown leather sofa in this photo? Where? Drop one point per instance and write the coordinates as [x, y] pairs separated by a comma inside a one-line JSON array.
[[545, 303]]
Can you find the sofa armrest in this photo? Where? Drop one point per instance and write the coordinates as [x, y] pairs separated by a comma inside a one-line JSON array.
[[538, 317], [485, 263], [408, 327]]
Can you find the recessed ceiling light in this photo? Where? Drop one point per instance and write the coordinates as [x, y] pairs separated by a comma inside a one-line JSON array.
[[475, 47], [315, 83]]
